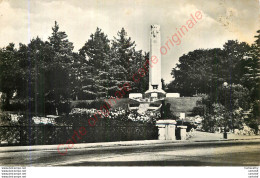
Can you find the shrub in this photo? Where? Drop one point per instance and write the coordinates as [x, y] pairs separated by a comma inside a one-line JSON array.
[[96, 104]]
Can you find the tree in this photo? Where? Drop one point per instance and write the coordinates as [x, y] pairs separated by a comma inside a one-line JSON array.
[[250, 68], [225, 108], [9, 75], [96, 67], [250, 79], [195, 72], [107, 69], [125, 62], [78, 69], [228, 76], [203, 71], [39, 55], [58, 73]]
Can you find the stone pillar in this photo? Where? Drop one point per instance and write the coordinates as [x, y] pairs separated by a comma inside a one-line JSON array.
[[170, 132], [166, 129], [182, 115], [182, 131], [161, 132], [155, 55]]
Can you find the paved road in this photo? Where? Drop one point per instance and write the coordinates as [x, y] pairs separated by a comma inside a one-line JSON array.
[[216, 153]]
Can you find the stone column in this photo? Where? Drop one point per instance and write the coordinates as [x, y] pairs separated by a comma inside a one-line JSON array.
[[171, 132], [161, 132], [182, 131], [155, 46], [166, 129]]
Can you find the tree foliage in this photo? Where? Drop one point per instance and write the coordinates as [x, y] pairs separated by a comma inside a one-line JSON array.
[[229, 77], [42, 77]]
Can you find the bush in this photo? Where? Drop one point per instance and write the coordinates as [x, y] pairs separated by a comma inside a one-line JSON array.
[[96, 104], [117, 126], [42, 108]]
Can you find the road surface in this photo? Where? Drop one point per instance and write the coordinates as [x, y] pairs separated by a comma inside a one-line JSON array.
[[207, 153]]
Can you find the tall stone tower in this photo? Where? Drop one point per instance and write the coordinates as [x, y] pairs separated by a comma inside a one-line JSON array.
[[154, 96], [155, 70]]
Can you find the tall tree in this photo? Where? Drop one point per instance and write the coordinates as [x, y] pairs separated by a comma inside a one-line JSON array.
[[203, 71], [251, 79], [195, 72], [96, 52], [250, 68], [59, 69], [125, 62], [9, 74], [39, 56]]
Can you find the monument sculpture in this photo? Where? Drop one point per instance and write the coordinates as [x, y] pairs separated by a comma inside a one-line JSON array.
[[155, 71], [151, 101], [153, 97]]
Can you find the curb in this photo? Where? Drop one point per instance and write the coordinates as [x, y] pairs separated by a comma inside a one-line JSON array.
[[101, 145]]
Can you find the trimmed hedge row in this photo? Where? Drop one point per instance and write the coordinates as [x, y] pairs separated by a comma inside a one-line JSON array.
[[107, 129], [48, 134]]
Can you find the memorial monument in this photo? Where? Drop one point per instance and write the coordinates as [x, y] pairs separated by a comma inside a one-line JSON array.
[[155, 71], [151, 101]]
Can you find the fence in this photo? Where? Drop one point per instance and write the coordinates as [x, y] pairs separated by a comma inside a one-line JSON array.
[[49, 134]]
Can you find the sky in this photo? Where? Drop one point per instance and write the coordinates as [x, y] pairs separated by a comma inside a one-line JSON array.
[[222, 20]]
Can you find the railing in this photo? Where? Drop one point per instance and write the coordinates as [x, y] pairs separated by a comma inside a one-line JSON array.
[[49, 134]]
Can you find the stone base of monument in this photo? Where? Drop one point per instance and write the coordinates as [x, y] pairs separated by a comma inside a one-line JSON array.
[[182, 131], [172, 95], [166, 129]]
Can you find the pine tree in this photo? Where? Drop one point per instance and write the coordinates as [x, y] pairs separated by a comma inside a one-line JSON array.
[[96, 52], [125, 62], [77, 76], [59, 69]]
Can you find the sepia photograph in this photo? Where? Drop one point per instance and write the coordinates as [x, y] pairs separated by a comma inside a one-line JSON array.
[[129, 83]]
